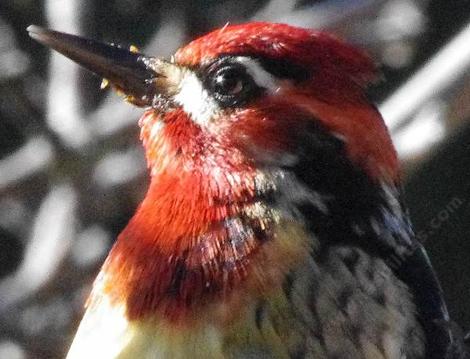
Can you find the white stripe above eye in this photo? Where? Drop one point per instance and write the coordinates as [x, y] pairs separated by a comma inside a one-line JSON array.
[[262, 78]]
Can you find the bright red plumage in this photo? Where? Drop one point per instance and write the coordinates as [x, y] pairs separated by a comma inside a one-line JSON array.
[[334, 93], [315, 50], [190, 195], [273, 223]]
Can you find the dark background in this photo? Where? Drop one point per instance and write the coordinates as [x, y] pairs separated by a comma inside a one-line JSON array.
[[72, 170]]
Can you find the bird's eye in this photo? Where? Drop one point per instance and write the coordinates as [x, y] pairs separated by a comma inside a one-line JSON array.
[[228, 82], [231, 84]]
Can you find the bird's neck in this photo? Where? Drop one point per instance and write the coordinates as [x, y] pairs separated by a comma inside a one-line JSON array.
[[203, 234], [183, 253], [200, 238]]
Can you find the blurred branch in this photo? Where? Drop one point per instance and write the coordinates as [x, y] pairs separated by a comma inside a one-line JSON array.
[[118, 168], [432, 81], [33, 157], [329, 14], [426, 129], [13, 61], [53, 232], [64, 105], [170, 35], [10, 349], [274, 9]]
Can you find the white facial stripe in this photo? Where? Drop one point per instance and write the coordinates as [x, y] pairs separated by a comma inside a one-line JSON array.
[[202, 107], [195, 100], [261, 77]]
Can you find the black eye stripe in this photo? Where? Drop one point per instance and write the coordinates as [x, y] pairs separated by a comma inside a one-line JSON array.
[[280, 68], [229, 82], [212, 77], [283, 69]]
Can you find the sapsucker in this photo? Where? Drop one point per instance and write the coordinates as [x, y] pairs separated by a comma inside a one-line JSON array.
[[273, 226]]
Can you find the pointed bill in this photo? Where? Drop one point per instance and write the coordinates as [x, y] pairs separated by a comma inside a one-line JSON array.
[[138, 76]]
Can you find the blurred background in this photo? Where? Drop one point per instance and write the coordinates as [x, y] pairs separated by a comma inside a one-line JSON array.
[[72, 169]]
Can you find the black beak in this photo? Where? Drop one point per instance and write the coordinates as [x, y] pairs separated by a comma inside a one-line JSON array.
[[132, 73]]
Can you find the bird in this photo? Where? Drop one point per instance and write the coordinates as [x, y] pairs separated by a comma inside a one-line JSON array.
[[274, 225]]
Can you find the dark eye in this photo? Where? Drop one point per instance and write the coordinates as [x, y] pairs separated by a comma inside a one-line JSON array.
[[231, 85], [229, 82]]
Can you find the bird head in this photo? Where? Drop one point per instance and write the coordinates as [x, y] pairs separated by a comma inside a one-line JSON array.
[[247, 129], [250, 90]]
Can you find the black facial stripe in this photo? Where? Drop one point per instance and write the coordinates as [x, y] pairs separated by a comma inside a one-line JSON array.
[[323, 166], [280, 68], [229, 82], [284, 69], [211, 75]]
